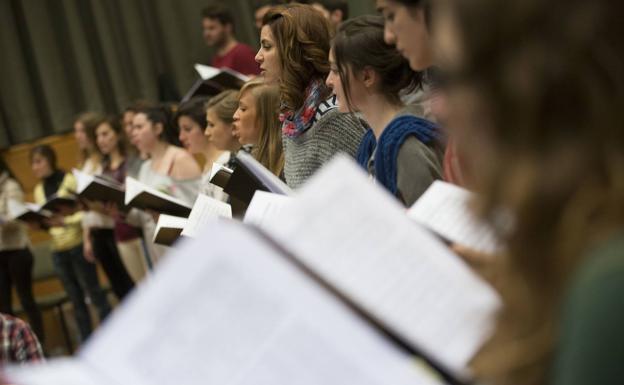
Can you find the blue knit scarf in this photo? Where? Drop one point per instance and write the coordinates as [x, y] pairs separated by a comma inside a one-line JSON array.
[[387, 150]]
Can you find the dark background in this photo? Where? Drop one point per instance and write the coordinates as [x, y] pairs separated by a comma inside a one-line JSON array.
[[61, 57]]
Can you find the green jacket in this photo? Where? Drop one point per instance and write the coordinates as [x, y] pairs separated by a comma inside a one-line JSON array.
[[591, 346]]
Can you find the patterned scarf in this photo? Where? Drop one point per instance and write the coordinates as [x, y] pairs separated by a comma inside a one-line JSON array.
[[296, 123]]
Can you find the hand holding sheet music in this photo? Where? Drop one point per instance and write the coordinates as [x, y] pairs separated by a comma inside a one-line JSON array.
[[251, 176], [99, 189], [265, 205], [168, 229], [144, 197], [244, 315], [444, 209], [205, 209], [359, 238], [27, 212]]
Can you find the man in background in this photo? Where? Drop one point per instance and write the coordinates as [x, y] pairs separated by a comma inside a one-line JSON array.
[[218, 32], [336, 11], [261, 7]]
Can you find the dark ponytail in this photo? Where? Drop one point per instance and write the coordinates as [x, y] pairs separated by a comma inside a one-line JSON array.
[[358, 44], [162, 114]]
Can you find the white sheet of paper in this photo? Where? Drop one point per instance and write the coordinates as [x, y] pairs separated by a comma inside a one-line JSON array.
[[358, 237], [265, 205], [205, 210], [134, 188], [206, 72], [16, 208], [444, 209], [83, 180], [60, 371], [169, 221], [240, 315]]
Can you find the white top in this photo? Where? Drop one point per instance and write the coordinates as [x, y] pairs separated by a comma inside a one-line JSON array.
[[210, 189], [184, 189], [13, 234]]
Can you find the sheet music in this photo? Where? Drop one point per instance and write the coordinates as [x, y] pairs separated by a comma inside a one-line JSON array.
[[237, 316], [134, 188], [272, 182], [170, 221], [16, 209], [205, 210], [444, 208], [358, 237], [60, 371], [265, 205], [83, 180], [206, 72]]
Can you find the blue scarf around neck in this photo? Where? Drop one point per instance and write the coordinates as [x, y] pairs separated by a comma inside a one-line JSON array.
[[390, 141]]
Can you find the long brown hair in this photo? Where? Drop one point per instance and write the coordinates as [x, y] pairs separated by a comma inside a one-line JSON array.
[[541, 119], [268, 151], [122, 141], [302, 37], [90, 121]]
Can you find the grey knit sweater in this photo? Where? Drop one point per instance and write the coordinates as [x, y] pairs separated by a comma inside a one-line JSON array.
[[331, 133]]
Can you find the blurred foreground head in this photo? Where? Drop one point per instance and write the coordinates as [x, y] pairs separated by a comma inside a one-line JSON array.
[[536, 96]]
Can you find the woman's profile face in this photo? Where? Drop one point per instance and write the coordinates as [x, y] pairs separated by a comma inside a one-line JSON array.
[[192, 135], [80, 133], [268, 56], [144, 133], [40, 166], [245, 126], [106, 138], [406, 28], [219, 132]]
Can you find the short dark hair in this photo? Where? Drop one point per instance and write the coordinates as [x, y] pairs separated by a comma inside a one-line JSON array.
[[195, 109], [415, 4], [46, 152], [138, 105], [333, 5], [218, 12], [162, 114]]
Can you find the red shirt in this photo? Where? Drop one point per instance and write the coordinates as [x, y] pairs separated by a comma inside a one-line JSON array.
[[240, 58]]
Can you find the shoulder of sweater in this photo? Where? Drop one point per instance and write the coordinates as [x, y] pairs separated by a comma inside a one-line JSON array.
[[335, 119], [416, 110], [413, 148]]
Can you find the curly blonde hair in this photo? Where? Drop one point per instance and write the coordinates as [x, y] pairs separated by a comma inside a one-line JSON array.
[[302, 37]]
